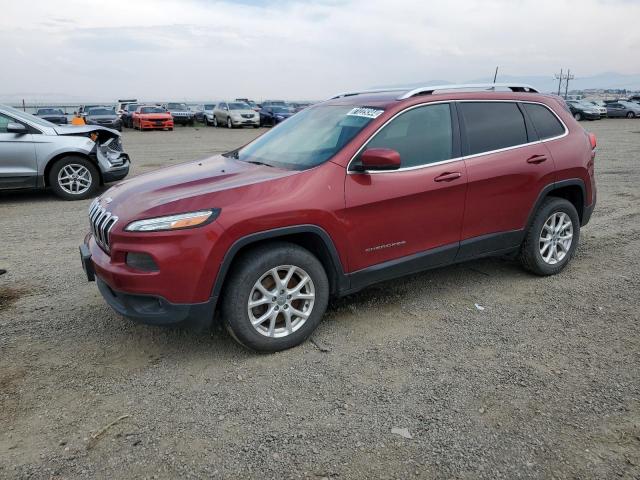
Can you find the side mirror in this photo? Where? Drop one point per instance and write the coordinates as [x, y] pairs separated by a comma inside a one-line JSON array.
[[17, 128], [380, 159]]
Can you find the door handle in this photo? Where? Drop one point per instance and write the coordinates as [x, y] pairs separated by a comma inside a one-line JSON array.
[[535, 159], [447, 177]]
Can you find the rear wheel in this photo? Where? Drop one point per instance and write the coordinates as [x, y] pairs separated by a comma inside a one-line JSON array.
[[577, 116], [552, 237], [74, 178], [275, 297]]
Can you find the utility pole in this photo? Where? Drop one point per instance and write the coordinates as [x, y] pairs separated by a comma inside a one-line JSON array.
[[564, 77], [566, 86], [559, 77], [495, 75]]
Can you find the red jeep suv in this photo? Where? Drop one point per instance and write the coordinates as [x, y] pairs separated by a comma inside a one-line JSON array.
[[362, 188]]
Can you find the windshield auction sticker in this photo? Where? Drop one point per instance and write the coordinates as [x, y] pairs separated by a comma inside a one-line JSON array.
[[365, 112]]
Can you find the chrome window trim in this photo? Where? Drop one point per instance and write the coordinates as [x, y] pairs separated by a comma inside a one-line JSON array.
[[456, 159]]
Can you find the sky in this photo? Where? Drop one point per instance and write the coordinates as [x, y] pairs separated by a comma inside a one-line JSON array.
[[293, 49]]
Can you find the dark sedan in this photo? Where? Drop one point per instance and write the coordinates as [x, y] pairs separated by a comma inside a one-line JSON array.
[[53, 115], [274, 114], [105, 117], [127, 114], [583, 110]]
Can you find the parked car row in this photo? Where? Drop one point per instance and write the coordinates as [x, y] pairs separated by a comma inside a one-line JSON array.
[[593, 110]]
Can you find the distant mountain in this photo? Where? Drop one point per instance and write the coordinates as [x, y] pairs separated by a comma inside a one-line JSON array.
[[607, 80]]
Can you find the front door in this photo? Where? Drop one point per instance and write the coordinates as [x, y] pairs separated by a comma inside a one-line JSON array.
[[409, 219], [18, 166]]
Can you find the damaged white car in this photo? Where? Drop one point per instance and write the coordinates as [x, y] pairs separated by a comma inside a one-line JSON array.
[[71, 160]]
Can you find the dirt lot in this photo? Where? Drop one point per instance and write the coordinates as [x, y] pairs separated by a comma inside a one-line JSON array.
[[542, 383]]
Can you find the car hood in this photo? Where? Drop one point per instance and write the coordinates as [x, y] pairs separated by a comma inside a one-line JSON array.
[[82, 129], [243, 112], [102, 117], [184, 187]]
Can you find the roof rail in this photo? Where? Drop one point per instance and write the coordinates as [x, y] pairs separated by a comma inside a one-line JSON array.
[[514, 87], [373, 90]]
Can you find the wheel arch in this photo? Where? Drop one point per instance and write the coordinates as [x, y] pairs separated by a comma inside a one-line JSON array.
[[60, 156], [572, 190], [311, 237]]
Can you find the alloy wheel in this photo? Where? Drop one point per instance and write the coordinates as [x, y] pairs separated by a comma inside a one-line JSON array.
[[74, 179], [556, 238], [281, 301]]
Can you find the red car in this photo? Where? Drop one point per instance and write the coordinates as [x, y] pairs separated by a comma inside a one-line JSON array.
[[148, 117], [358, 189]]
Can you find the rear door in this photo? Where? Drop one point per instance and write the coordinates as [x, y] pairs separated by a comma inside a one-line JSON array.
[[18, 165], [507, 168], [412, 215]]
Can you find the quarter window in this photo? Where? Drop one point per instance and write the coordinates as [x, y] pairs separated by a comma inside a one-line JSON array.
[[546, 123], [421, 135], [493, 125]]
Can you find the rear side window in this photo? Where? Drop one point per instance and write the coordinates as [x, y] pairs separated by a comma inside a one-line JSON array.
[[4, 121], [493, 125], [546, 123], [421, 136]]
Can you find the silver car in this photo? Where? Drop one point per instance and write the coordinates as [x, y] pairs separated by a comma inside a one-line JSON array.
[[235, 114], [72, 160]]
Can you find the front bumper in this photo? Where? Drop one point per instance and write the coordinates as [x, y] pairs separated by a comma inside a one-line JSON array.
[[182, 120], [149, 309], [237, 122], [151, 124], [115, 174]]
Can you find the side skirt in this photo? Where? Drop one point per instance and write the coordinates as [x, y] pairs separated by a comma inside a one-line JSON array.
[[495, 244]]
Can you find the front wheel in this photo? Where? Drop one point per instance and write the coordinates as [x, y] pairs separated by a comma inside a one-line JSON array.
[[229, 124], [552, 237], [74, 178], [215, 121], [275, 297], [577, 116], [630, 115]]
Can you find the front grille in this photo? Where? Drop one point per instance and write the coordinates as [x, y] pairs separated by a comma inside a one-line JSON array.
[[247, 115], [114, 144], [101, 222]]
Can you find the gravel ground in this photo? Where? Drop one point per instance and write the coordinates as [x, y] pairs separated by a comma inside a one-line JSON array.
[[542, 383]]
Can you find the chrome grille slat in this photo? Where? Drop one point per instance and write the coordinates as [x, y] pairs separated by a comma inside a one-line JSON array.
[[101, 222]]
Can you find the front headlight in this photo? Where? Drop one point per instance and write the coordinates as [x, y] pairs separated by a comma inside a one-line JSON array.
[[174, 222]]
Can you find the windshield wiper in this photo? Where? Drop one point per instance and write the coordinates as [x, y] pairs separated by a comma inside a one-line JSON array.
[[256, 162]]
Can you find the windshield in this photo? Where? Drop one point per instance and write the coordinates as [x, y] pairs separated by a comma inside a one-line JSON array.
[[307, 139], [132, 107], [49, 111], [209, 107], [152, 110], [176, 106], [238, 106], [101, 111], [279, 109]]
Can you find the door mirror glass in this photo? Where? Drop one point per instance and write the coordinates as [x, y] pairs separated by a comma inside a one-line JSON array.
[[380, 159], [18, 128]]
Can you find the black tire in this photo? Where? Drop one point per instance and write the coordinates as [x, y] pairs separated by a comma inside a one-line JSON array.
[[577, 116], [229, 124], [256, 126], [215, 121], [74, 160], [530, 255], [240, 283], [631, 115]]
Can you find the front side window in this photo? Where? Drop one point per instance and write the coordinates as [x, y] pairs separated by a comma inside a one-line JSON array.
[[4, 121], [421, 136], [307, 139], [546, 123], [492, 126]]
